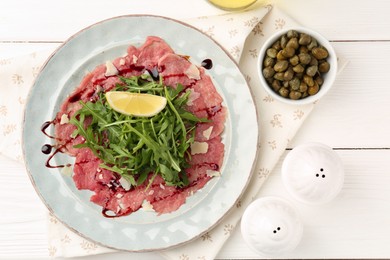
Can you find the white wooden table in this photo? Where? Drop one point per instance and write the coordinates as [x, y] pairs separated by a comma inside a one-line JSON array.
[[354, 119]]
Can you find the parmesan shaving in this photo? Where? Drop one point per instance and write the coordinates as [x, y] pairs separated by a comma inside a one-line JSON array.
[[125, 184], [147, 206], [212, 173], [207, 133], [99, 89], [192, 97], [110, 69], [64, 119], [192, 72], [122, 62], [135, 59], [199, 148]]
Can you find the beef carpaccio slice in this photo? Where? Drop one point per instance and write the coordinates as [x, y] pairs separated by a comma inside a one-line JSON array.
[[155, 56]]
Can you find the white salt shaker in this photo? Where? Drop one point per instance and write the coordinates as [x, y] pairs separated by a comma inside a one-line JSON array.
[[271, 226], [313, 173]]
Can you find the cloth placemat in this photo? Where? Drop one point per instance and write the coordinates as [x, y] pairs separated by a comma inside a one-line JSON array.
[[242, 35]]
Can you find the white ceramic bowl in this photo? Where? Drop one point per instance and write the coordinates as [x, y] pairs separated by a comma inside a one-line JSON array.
[[328, 77]]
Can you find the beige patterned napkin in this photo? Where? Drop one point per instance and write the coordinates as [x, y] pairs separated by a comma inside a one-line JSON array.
[[278, 123]]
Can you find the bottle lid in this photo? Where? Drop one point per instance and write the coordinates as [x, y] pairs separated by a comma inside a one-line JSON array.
[[313, 173], [271, 226]]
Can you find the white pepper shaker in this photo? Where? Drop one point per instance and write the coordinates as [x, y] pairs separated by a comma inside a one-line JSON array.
[[271, 226], [313, 173]]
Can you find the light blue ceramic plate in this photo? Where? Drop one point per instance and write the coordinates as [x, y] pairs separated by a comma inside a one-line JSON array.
[[141, 231]]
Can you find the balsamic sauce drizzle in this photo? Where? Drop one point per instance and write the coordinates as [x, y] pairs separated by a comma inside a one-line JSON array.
[[45, 126], [47, 148]]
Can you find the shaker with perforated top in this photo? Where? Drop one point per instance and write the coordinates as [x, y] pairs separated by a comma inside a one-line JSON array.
[[313, 173], [271, 226]]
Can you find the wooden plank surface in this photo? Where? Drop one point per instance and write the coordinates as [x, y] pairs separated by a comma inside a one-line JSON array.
[[355, 112], [354, 225], [57, 20], [353, 117]]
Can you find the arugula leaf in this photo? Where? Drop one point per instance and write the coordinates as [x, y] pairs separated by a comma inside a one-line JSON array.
[[134, 147]]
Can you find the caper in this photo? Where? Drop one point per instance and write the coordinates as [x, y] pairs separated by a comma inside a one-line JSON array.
[[295, 95], [276, 85], [277, 46], [299, 75], [304, 58], [268, 72], [299, 68], [269, 80], [320, 53], [281, 65], [288, 74], [294, 83], [293, 43], [280, 56], [304, 39], [269, 62], [283, 41], [283, 92], [303, 87], [312, 90], [271, 52], [308, 80], [279, 76], [303, 49], [324, 67], [319, 80], [312, 70], [313, 61], [288, 52], [292, 34], [286, 85], [294, 60], [312, 44]]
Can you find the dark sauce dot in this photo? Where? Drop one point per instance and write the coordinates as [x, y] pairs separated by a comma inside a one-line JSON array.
[[274, 231], [317, 175], [46, 149], [323, 175], [278, 228], [207, 64], [322, 169]]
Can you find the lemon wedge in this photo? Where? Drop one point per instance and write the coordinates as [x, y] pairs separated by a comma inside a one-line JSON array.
[[135, 104]]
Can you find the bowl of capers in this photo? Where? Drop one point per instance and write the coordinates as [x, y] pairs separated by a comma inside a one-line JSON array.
[[297, 65]]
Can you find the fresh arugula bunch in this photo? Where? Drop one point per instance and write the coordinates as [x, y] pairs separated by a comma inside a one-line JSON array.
[[133, 146]]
